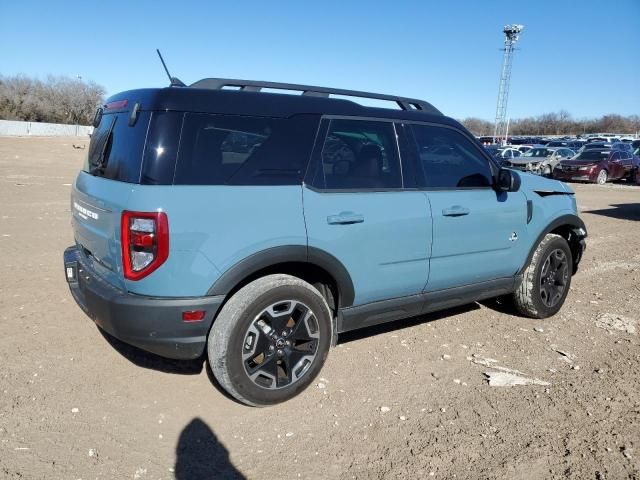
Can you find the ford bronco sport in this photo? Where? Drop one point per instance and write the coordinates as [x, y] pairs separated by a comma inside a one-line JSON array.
[[257, 226]]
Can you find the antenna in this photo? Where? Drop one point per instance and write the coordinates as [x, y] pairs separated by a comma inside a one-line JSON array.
[[173, 81], [511, 36]]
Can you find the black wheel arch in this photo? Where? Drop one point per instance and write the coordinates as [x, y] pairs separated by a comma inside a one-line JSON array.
[[565, 226], [309, 263]]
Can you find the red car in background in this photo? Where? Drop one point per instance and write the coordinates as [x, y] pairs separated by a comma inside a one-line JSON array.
[[598, 166]]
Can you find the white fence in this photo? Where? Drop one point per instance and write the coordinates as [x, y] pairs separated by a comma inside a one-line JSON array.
[[11, 128]]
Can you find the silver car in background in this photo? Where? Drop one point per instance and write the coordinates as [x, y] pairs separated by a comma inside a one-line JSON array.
[[540, 160]]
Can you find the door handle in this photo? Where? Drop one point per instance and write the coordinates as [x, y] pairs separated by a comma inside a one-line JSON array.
[[345, 218], [455, 211]]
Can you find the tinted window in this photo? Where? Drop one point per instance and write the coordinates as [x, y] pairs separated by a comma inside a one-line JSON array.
[[449, 160], [237, 150], [115, 150], [615, 156], [161, 149], [360, 154]]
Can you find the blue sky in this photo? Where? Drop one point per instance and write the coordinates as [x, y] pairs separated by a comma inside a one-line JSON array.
[[581, 56]]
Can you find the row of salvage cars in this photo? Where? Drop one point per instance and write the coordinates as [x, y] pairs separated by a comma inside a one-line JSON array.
[[597, 162]]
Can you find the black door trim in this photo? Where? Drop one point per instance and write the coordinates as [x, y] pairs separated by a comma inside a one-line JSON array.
[[384, 311]]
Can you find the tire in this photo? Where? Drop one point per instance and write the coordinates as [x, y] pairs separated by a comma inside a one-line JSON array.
[[542, 293], [602, 177], [247, 345]]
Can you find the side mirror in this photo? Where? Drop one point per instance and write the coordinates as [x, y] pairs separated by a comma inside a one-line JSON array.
[[507, 181]]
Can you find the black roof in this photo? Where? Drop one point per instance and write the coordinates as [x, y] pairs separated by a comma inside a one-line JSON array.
[[209, 96]]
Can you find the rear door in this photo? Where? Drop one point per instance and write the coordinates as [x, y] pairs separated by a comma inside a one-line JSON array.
[[616, 168], [357, 209], [101, 190], [478, 233]]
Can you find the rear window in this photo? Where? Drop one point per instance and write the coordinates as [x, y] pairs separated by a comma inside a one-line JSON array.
[[115, 150], [241, 150]]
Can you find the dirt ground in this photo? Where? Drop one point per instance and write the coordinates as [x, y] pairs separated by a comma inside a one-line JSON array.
[[77, 405]]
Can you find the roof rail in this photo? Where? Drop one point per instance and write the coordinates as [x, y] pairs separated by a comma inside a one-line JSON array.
[[308, 90]]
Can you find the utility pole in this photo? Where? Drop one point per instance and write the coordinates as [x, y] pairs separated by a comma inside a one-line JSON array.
[[511, 36]]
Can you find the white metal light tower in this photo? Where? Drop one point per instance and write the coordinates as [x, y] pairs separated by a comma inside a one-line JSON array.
[[511, 36]]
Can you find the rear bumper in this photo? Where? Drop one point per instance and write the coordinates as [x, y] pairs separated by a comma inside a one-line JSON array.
[[150, 323]]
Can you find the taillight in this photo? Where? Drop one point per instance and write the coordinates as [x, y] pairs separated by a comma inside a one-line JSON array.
[[145, 242]]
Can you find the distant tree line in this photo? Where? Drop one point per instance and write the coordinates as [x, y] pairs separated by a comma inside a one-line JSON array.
[[559, 123], [55, 100]]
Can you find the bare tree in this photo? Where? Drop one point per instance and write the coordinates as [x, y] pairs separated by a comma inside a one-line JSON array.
[[560, 123], [56, 100]]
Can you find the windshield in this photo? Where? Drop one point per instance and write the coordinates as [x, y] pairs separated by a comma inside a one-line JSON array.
[[537, 152], [597, 146], [592, 155]]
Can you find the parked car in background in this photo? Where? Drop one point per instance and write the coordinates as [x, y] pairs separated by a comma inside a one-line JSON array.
[[540, 160], [598, 166], [507, 153], [526, 148], [616, 146]]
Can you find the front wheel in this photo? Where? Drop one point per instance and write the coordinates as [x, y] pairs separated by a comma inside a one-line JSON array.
[[602, 177], [546, 280], [270, 340]]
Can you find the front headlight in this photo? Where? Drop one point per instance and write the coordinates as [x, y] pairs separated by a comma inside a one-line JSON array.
[[582, 169]]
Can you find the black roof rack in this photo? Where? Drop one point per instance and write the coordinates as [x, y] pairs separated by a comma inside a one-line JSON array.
[[308, 90]]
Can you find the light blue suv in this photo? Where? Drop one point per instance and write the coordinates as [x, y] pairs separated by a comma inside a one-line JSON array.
[[257, 227]]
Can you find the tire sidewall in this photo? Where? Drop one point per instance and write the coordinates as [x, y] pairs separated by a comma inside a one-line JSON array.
[[239, 378], [544, 310]]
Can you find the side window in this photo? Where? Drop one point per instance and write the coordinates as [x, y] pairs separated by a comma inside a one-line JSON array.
[[449, 160], [615, 156], [239, 150], [360, 154]]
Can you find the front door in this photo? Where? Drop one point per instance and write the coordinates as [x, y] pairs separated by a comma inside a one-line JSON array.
[[357, 210], [475, 228]]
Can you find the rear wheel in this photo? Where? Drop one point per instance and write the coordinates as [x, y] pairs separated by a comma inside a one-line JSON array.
[[270, 340], [546, 281], [602, 177]]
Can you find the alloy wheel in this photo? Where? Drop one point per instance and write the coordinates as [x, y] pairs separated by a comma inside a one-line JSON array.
[[553, 277], [280, 344], [602, 177]]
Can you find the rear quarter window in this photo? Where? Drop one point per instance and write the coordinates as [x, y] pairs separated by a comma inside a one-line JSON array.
[[243, 150]]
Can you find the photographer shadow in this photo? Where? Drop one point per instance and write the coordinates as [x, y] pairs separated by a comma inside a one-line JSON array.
[[200, 456]]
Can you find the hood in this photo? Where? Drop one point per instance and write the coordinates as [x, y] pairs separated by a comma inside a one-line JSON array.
[[542, 185], [580, 163], [525, 160]]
